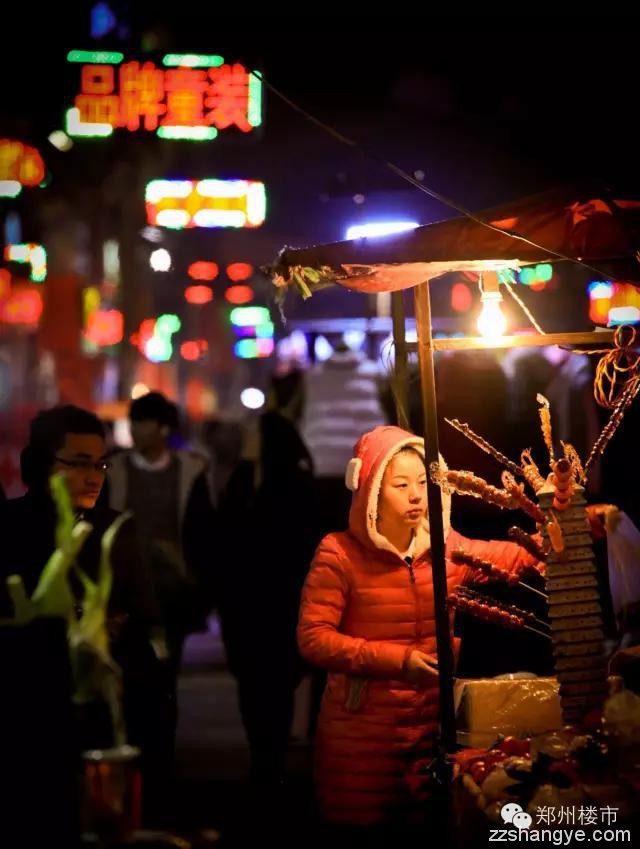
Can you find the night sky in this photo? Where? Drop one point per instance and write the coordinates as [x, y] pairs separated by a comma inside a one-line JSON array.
[[535, 100]]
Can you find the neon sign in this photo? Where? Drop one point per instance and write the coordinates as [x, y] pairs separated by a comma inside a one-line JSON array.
[[239, 294], [153, 338], [536, 276], [202, 270], [21, 306], [20, 165], [31, 254], [177, 204], [194, 349], [239, 271], [247, 316], [105, 328], [192, 97], [254, 327], [198, 294], [252, 349], [613, 303]]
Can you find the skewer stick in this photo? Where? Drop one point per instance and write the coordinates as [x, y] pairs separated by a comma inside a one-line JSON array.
[[485, 446], [535, 631], [526, 541], [532, 590], [507, 608]]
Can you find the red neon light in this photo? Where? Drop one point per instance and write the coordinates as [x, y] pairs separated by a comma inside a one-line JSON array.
[[141, 90], [5, 284], [97, 79], [194, 349], [239, 294], [144, 333], [203, 270], [22, 306], [239, 271], [21, 163], [198, 294], [228, 97], [190, 351], [461, 298], [105, 327], [183, 97], [99, 109]]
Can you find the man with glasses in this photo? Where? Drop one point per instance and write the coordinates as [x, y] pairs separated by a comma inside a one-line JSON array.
[[71, 441]]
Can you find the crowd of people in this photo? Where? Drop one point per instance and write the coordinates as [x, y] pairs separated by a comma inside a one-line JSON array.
[[234, 530]]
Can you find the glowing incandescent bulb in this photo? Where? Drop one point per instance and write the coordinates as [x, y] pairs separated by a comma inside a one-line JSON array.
[[491, 321]]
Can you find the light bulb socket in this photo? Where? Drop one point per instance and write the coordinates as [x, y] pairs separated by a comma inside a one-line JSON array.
[[489, 286]]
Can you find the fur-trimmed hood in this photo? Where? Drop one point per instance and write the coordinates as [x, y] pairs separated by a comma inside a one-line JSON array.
[[372, 454]]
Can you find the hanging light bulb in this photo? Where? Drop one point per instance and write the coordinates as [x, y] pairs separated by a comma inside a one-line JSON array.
[[491, 321]]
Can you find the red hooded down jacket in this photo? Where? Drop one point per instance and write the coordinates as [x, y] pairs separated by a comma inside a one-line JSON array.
[[361, 615]]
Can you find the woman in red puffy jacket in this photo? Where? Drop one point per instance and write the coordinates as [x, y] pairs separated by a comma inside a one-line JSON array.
[[367, 616]]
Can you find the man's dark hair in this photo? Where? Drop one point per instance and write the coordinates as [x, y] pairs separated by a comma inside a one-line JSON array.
[[46, 437], [156, 408]]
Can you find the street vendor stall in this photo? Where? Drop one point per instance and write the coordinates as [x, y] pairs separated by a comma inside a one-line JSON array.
[[587, 226]]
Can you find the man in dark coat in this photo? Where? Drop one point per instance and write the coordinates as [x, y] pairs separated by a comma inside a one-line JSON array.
[[167, 493], [268, 532], [71, 441]]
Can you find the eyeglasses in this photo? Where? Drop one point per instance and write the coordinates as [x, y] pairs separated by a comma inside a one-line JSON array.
[[101, 466]]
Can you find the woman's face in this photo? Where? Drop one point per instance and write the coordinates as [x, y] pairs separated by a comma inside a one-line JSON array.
[[403, 495]]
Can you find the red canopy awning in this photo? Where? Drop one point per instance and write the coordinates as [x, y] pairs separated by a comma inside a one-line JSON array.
[[597, 227]]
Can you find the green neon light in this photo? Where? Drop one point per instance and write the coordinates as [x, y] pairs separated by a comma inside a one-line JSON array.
[[528, 276], [34, 255], [77, 129], [265, 331], [10, 188], [544, 272], [95, 57], [167, 324], [189, 133], [246, 316], [192, 60], [254, 111], [38, 259], [246, 349]]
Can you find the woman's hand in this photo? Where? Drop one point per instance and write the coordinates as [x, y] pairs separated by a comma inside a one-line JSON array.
[[420, 668]]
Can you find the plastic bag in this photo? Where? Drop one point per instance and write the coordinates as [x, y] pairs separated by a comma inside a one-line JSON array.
[[488, 707], [622, 716]]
